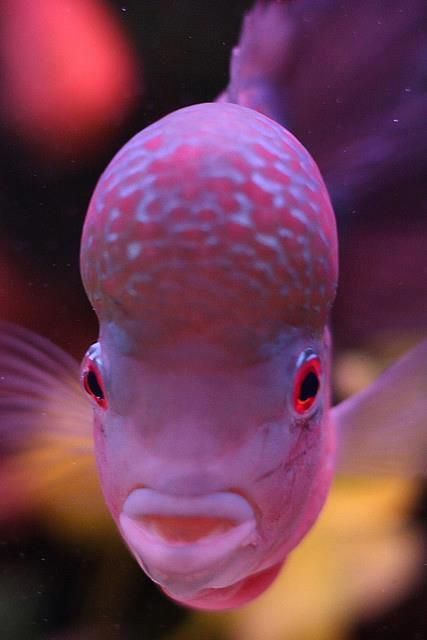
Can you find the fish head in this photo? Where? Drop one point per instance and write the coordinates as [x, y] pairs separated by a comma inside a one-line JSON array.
[[209, 254]]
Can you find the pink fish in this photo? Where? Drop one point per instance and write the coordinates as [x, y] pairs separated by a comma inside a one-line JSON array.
[[209, 253]]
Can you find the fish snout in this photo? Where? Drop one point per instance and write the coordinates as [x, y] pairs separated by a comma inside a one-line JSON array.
[[182, 534]]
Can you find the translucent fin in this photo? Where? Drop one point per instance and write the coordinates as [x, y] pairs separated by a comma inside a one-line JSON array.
[[348, 79], [357, 95], [259, 61], [40, 394], [45, 428], [383, 429]]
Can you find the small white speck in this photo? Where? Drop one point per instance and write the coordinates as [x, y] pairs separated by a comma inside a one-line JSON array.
[[218, 171], [279, 201], [267, 185], [283, 167], [285, 233], [296, 192], [241, 219], [267, 241], [114, 214], [133, 250], [299, 215], [245, 203], [142, 216], [396, 120]]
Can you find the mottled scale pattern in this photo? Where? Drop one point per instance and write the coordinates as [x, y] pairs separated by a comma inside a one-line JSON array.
[[215, 221]]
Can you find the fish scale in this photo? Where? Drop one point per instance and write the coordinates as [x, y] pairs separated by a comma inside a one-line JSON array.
[[217, 208]]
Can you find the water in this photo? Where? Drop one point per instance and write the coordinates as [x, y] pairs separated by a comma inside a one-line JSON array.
[[61, 579]]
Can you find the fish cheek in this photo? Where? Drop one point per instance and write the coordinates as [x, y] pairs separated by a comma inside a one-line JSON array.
[[314, 470], [293, 494], [106, 462], [99, 438]]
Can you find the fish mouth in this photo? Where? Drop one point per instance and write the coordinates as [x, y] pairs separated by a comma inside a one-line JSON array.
[[175, 535]]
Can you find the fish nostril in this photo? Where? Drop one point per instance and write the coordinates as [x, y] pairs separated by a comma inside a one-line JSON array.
[[185, 529]]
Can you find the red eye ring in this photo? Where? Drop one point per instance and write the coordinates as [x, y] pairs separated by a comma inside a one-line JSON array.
[[307, 384], [91, 378]]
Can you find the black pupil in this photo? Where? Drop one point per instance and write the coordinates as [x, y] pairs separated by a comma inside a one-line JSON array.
[[94, 386], [309, 387]]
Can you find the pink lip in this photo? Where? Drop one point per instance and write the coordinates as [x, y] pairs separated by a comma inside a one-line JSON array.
[[181, 535]]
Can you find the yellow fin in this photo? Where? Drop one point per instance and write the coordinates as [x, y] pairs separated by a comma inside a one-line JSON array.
[[48, 464], [383, 429]]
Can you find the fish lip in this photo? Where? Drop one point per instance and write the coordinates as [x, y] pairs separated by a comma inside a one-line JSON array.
[[220, 504], [156, 553]]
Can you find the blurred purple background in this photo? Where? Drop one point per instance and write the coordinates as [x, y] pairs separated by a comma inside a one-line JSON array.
[[164, 55]]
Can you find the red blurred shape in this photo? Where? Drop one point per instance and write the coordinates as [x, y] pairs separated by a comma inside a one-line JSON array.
[[69, 74]]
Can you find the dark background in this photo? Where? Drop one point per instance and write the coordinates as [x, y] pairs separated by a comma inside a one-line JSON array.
[[48, 587]]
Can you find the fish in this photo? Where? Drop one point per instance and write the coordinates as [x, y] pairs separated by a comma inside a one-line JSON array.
[[210, 256]]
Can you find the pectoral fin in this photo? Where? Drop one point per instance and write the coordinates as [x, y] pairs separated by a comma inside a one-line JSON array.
[[45, 430], [383, 429]]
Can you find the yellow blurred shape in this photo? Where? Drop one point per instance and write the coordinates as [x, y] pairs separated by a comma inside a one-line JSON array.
[[52, 480], [358, 559]]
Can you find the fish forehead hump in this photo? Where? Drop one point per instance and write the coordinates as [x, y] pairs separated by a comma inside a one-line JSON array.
[[213, 221]]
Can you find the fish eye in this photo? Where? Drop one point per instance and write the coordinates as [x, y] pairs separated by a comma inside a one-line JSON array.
[[307, 383], [91, 379]]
